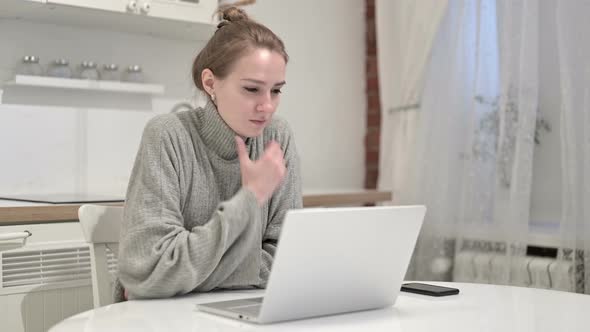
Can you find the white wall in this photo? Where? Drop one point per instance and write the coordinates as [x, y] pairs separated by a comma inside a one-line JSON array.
[[49, 149], [324, 98]]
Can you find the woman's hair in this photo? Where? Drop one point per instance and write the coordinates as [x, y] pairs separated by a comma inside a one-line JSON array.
[[236, 35]]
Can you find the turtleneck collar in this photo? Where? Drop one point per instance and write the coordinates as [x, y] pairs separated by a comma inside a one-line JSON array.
[[216, 134]]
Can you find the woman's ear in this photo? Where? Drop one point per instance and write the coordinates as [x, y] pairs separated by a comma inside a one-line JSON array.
[[208, 81]]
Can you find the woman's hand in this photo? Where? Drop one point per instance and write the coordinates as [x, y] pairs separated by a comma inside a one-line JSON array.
[[263, 176]]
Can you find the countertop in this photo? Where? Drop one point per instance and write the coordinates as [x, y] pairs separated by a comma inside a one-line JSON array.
[[18, 213]]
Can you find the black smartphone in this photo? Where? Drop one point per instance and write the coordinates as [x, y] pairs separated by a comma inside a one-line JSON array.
[[426, 289]]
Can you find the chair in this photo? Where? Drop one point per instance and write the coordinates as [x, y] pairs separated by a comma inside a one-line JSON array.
[[100, 225]]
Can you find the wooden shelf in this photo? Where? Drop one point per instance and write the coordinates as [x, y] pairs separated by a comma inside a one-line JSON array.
[[79, 84]]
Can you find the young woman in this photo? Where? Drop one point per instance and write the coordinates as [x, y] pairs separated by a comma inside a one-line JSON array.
[[210, 187]]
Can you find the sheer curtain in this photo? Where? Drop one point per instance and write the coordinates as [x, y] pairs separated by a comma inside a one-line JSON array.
[[473, 141], [574, 56], [462, 141], [406, 30]]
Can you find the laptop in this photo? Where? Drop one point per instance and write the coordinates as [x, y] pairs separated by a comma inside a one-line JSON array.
[[332, 261]]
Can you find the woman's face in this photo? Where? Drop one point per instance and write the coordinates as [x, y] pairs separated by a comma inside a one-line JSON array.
[[248, 97]]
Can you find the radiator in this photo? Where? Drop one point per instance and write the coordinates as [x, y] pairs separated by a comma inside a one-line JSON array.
[[525, 271], [43, 282]]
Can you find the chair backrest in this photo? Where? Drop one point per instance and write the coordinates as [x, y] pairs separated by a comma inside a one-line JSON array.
[[100, 225]]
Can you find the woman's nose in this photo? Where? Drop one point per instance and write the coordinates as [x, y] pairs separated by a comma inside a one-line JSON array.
[[265, 104]]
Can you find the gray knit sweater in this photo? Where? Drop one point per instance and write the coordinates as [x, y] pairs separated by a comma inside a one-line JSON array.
[[188, 223]]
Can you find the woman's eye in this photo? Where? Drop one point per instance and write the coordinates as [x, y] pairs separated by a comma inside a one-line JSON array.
[[251, 89], [276, 91]]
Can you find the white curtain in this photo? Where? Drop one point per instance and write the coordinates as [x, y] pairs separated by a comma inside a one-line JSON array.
[[462, 142], [468, 156], [405, 33], [574, 56]]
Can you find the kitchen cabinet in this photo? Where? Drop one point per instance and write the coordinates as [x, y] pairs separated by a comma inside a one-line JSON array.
[[121, 6], [175, 19], [181, 10]]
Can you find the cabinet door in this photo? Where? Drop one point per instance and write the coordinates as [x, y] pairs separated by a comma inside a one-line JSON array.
[[199, 11], [110, 5]]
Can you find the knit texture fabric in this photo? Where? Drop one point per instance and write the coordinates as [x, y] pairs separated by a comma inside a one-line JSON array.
[[189, 225]]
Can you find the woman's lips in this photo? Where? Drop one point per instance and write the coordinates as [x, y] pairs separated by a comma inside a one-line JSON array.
[[258, 122]]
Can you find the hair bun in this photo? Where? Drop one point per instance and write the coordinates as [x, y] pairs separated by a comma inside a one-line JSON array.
[[234, 14]]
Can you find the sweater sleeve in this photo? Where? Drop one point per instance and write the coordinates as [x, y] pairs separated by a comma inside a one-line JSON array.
[[288, 196], [158, 255]]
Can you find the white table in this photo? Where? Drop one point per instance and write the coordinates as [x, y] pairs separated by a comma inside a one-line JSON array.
[[477, 308]]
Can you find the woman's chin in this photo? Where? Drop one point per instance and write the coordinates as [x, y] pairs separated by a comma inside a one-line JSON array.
[[250, 133], [254, 132]]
